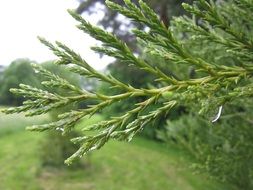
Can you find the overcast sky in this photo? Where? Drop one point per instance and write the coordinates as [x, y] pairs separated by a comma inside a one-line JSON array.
[[21, 21]]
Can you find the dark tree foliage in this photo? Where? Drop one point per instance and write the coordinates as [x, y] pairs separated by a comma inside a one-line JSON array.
[[19, 71], [166, 9]]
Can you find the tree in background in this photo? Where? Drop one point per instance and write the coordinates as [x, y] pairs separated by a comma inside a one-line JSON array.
[[216, 42], [165, 8], [1, 72], [19, 71]]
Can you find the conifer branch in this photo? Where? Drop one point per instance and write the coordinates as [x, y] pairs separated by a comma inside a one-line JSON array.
[[214, 85]]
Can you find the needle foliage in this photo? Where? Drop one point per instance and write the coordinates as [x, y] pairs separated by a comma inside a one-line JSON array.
[[215, 84]]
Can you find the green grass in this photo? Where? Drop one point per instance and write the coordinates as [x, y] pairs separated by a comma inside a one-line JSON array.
[[139, 165], [17, 122]]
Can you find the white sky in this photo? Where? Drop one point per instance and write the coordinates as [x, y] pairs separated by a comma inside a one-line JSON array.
[[21, 21]]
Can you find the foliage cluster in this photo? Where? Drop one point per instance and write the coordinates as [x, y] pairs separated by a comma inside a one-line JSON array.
[[218, 81]]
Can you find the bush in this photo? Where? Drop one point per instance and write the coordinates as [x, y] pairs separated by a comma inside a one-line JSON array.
[[55, 149], [224, 150]]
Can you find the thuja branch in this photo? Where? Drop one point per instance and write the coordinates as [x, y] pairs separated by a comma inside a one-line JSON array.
[[214, 86], [112, 46]]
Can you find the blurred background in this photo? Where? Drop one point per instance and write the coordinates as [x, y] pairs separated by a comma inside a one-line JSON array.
[[181, 153]]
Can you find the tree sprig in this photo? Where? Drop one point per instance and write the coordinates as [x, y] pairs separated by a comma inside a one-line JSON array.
[[214, 86]]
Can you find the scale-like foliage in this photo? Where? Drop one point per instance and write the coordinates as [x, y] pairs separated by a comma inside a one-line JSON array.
[[215, 84]]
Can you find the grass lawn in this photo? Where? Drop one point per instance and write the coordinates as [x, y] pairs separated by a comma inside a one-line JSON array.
[[139, 165]]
